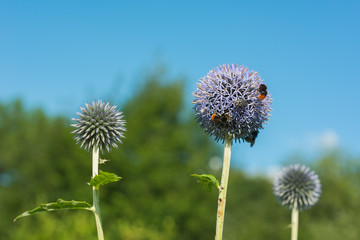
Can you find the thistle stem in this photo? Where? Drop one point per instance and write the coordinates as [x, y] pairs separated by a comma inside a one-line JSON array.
[[223, 188], [96, 203], [294, 222]]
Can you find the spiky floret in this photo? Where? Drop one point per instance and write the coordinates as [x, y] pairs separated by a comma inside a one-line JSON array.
[[99, 125], [232, 93], [297, 184]]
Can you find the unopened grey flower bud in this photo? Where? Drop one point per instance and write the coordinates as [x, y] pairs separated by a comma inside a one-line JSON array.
[[297, 184], [99, 125]]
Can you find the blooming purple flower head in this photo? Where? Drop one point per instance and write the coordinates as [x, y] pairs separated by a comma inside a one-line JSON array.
[[297, 185], [232, 101], [100, 125]]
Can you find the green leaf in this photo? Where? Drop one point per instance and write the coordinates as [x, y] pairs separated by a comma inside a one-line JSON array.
[[54, 206], [103, 178], [207, 180]]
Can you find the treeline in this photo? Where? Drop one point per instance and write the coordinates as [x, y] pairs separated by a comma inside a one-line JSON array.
[[157, 199]]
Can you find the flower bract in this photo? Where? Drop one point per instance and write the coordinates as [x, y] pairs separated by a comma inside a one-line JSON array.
[[99, 125]]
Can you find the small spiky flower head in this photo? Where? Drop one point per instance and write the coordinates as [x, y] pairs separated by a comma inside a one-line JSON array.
[[297, 185], [232, 101], [99, 125]]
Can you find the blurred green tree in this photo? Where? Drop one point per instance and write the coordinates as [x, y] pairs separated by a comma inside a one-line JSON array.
[[157, 198], [162, 148], [38, 163]]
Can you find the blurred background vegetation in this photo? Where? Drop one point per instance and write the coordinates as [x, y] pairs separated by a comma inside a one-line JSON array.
[[157, 199]]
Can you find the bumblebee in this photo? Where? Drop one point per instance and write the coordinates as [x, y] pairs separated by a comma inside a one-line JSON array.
[[251, 138], [263, 91], [240, 103], [217, 118]]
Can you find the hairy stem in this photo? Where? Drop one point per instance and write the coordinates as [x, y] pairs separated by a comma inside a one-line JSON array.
[[294, 222], [223, 188], [96, 203]]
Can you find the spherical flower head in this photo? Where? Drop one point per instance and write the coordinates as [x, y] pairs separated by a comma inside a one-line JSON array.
[[100, 125], [232, 101], [297, 184]]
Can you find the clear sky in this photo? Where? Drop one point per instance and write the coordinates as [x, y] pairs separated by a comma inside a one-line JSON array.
[[59, 54]]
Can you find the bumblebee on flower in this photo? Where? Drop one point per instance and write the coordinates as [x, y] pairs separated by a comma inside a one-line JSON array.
[[232, 101]]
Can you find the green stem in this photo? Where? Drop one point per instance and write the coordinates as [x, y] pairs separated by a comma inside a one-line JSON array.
[[223, 189], [96, 203], [294, 222]]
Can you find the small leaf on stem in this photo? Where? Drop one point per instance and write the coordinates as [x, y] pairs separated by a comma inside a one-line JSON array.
[[103, 161], [54, 206], [207, 180], [103, 178]]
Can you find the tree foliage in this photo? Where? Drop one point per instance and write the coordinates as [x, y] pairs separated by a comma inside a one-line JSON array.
[[157, 198]]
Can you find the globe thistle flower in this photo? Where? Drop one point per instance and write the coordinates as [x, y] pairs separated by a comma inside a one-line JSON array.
[[297, 185], [232, 101], [99, 125]]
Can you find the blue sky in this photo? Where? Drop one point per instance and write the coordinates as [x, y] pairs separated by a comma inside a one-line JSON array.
[[58, 55]]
